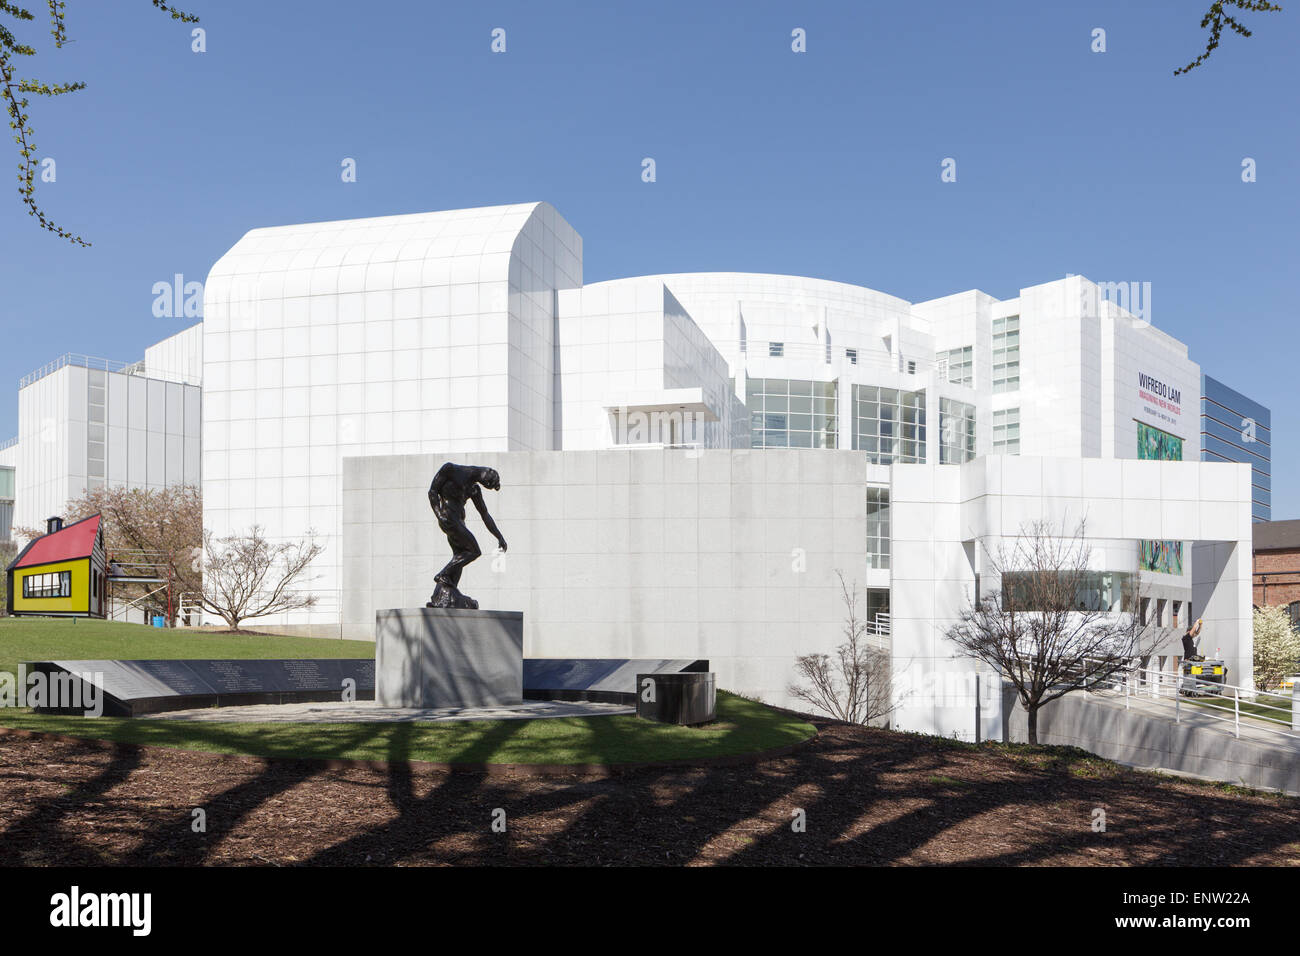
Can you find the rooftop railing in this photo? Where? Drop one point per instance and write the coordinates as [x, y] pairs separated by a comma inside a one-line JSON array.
[[1181, 695], [864, 358], [78, 361], [72, 359]]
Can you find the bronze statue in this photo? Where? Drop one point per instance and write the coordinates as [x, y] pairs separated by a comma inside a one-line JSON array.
[[452, 485]]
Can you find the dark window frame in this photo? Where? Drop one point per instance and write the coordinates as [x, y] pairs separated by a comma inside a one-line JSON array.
[[60, 587]]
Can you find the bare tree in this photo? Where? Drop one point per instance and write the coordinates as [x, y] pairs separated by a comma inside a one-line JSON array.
[[854, 684], [1051, 628], [247, 576], [154, 533], [8, 551]]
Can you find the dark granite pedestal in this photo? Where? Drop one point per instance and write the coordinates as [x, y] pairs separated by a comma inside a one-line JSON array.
[[686, 698], [135, 688], [448, 657]]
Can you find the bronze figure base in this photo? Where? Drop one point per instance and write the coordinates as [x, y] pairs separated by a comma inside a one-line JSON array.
[[444, 595]]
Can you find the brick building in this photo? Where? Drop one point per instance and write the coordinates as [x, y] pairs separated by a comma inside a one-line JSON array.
[[1276, 567]]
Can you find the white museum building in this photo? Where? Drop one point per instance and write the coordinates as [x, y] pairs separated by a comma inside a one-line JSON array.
[[686, 460]]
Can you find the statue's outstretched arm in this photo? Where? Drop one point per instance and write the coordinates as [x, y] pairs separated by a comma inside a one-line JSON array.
[[487, 518]]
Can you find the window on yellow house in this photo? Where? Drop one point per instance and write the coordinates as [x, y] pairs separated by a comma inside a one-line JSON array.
[[54, 584]]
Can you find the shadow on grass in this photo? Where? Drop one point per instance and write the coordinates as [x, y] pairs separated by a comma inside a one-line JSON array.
[[868, 797]]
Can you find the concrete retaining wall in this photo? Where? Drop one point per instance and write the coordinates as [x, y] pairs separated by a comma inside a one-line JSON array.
[[1148, 741]]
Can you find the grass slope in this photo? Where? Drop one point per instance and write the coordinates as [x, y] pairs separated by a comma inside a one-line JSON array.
[[43, 639], [743, 726]]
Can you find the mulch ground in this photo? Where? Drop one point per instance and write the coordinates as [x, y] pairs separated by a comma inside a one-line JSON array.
[[867, 796]]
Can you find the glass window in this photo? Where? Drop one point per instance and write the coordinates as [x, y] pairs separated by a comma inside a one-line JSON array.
[[1006, 354], [889, 424], [786, 413], [851, 355], [1094, 591], [878, 528], [775, 349], [956, 432], [961, 365], [53, 584], [1006, 431]]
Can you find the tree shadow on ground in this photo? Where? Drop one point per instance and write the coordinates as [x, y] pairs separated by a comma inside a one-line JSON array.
[[867, 797], [42, 835]]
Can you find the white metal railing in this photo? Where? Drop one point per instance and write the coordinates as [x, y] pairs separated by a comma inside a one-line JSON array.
[[1187, 694], [894, 361], [104, 365], [5, 445], [189, 609], [80, 361], [879, 625]]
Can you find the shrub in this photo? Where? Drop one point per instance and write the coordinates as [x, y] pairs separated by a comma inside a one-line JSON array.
[[1277, 646]]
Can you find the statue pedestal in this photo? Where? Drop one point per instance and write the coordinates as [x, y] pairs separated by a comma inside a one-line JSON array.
[[448, 657]]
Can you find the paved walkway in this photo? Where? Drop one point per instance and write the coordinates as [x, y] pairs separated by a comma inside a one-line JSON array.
[[1203, 717], [364, 711]]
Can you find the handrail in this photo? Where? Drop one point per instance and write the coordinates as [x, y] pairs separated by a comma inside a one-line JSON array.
[[1166, 690], [874, 358], [78, 360], [98, 364]]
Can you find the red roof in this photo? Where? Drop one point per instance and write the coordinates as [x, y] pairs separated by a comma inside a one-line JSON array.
[[74, 541]]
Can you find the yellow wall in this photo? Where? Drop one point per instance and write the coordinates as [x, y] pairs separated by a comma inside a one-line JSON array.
[[79, 603]]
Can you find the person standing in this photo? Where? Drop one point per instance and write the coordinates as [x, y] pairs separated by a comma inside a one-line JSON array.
[[1189, 642]]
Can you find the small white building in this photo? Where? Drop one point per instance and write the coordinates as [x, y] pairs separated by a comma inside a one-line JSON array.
[[86, 422]]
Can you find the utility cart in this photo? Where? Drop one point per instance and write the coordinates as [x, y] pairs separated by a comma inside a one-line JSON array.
[[1202, 678]]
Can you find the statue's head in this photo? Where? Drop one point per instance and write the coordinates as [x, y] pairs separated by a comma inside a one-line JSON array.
[[490, 479]]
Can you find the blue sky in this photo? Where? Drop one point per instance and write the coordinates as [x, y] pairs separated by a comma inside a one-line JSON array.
[[821, 164]]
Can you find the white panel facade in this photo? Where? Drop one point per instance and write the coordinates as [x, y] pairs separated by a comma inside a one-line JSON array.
[[727, 555], [630, 553], [44, 473], [82, 428], [372, 337], [177, 358], [944, 519]]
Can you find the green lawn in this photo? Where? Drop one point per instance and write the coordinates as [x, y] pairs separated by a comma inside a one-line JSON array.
[[743, 726], [1223, 707], [43, 639]]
